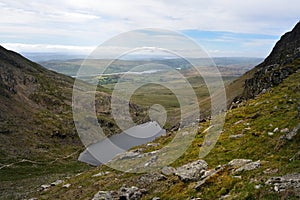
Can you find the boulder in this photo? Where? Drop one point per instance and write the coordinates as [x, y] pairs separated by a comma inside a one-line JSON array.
[[191, 171], [249, 166], [103, 195], [238, 162]]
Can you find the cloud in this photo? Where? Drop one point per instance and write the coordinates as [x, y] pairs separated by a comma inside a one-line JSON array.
[[90, 22], [19, 47]]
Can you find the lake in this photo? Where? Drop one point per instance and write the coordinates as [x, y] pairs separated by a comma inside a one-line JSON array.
[[105, 150]]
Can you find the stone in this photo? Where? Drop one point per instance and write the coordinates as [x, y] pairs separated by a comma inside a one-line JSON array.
[[285, 130], [276, 130], [291, 134], [270, 133], [152, 145], [257, 187], [167, 170], [263, 91], [236, 136], [249, 166], [155, 198], [191, 171], [57, 182], [45, 186], [270, 171], [208, 173], [225, 196], [66, 185], [239, 162], [131, 193], [152, 160], [103, 195], [100, 174], [283, 183]]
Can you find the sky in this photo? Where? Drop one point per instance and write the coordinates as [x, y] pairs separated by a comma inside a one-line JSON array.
[[221, 27]]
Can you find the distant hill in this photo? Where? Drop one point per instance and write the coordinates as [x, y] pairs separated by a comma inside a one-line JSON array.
[[232, 65]]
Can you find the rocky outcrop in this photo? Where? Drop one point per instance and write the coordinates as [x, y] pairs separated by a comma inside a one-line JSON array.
[[283, 183], [191, 171], [248, 166], [277, 66], [125, 193]]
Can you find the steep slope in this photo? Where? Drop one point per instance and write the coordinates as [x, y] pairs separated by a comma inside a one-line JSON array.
[[283, 60], [38, 139]]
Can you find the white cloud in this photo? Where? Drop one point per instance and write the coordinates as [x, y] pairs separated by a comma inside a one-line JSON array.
[[19, 47], [90, 22]]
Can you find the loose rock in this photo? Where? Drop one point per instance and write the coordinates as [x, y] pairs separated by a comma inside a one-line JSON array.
[[290, 135], [66, 185], [191, 171], [239, 162], [249, 166], [236, 136], [103, 195], [57, 182]]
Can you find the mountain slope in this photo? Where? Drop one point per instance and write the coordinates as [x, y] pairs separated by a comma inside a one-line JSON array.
[[38, 139], [263, 133], [283, 60], [257, 130]]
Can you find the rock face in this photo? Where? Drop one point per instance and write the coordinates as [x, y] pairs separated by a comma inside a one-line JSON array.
[[277, 66], [289, 181], [191, 171]]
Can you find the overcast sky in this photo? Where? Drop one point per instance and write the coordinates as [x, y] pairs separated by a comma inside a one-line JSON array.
[[222, 27]]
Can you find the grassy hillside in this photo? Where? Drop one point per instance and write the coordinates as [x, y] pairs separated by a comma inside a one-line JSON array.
[[38, 139], [255, 119]]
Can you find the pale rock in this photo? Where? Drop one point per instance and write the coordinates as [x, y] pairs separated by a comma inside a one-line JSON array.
[[239, 162], [249, 166], [66, 185], [191, 171], [57, 182], [167, 170]]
